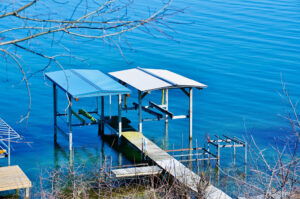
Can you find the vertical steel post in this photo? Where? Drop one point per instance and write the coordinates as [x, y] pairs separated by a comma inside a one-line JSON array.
[[120, 114], [190, 154], [8, 150], [166, 116], [191, 113], [55, 111], [246, 160], [102, 115], [233, 153], [140, 112], [70, 123], [110, 107], [27, 193], [219, 158]]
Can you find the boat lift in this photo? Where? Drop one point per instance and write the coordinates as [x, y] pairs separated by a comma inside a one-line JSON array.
[[147, 80], [77, 84], [7, 135]]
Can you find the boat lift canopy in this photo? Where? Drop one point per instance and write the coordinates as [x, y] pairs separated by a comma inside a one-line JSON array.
[[86, 83], [79, 83], [146, 80]]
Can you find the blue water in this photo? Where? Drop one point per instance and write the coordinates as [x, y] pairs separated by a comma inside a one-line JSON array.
[[240, 49]]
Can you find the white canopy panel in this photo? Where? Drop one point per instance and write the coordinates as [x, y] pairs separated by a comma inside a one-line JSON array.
[[154, 79]]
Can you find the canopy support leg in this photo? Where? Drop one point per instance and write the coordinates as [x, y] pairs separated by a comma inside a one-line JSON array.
[[55, 111], [70, 123], [191, 113], [8, 148], [140, 112], [101, 131], [166, 116], [120, 114]]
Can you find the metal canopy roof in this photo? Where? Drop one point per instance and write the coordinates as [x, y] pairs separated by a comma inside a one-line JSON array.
[[86, 83], [154, 79]]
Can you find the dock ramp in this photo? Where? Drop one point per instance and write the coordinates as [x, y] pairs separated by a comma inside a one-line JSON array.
[[171, 165]]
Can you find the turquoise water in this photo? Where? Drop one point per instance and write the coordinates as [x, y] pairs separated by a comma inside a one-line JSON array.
[[240, 49]]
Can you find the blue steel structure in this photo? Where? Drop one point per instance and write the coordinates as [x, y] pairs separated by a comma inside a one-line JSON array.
[[81, 83]]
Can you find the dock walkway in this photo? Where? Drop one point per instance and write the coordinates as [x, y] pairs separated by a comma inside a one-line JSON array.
[[12, 177], [171, 165]]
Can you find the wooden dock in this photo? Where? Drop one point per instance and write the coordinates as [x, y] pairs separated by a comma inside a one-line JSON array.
[[170, 164], [136, 171], [12, 177]]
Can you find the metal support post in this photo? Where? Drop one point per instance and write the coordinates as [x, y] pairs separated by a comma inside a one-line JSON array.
[[120, 115], [70, 123], [55, 111], [140, 112], [27, 193], [102, 116], [246, 160], [8, 148], [191, 113], [233, 153], [110, 107], [166, 116], [218, 153], [190, 153], [246, 153]]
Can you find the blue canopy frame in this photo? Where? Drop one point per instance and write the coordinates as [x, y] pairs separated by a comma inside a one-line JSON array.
[[82, 83]]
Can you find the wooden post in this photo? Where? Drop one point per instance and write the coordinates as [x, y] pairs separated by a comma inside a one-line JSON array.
[[55, 111], [191, 113], [70, 123], [140, 112], [120, 114]]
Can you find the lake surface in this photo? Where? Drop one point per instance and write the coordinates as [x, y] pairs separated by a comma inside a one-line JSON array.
[[240, 49]]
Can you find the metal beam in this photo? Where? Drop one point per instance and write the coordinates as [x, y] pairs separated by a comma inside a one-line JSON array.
[[185, 92], [158, 115], [144, 95], [152, 104]]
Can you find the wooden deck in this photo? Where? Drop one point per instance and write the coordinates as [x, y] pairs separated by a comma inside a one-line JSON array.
[[136, 171], [171, 165], [12, 177]]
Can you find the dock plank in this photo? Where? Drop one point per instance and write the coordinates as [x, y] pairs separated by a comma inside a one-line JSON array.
[[136, 171], [171, 165], [12, 177]]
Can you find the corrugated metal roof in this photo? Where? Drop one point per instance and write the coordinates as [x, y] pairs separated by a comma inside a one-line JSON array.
[[81, 83], [144, 79]]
